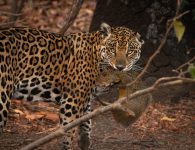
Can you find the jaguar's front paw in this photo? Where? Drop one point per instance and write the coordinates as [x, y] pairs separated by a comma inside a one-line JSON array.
[[84, 142]]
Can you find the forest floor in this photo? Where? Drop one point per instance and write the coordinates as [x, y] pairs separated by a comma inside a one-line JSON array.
[[164, 125]]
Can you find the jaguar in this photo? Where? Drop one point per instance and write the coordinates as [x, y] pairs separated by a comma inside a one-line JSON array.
[[37, 65]]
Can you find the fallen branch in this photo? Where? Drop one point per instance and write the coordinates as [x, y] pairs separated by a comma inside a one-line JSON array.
[[76, 6], [61, 131]]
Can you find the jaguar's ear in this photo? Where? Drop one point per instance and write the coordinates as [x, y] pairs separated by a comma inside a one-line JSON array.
[[105, 29], [139, 38]]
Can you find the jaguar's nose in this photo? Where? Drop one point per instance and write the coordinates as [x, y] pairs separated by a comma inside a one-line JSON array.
[[120, 67]]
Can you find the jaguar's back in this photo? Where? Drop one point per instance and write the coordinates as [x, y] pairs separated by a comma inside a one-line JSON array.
[[38, 65]]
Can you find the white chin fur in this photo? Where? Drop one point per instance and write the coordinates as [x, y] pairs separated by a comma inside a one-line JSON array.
[[114, 67], [127, 68]]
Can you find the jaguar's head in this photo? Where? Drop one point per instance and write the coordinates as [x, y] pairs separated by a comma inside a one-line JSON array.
[[121, 47]]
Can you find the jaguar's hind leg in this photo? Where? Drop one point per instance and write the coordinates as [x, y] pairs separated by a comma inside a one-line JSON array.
[[4, 107], [6, 90]]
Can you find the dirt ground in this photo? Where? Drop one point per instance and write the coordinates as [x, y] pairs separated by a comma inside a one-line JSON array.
[[163, 126]]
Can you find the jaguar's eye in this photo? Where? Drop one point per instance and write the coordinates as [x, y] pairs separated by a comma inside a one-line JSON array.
[[112, 50], [130, 53]]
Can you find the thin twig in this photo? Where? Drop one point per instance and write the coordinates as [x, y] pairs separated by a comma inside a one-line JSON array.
[[9, 13], [164, 79], [178, 7], [16, 8], [182, 14], [180, 71], [76, 6], [185, 64], [178, 16], [8, 24]]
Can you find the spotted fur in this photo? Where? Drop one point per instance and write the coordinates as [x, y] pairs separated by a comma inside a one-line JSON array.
[[38, 65]]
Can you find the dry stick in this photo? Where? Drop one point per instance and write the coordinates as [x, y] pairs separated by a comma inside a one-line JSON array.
[[13, 11], [187, 63], [76, 6], [9, 24], [20, 6], [158, 49], [16, 8], [104, 109], [178, 7], [164, 79], [179, 70], [9, 13], [180, 15]]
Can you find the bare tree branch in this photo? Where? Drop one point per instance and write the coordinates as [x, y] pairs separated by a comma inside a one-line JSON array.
[[16, 8], [180, 70], [157, 51], [9, 13], [157, 85], [76, 6], [13, 5], [185, 64], [9, 24]]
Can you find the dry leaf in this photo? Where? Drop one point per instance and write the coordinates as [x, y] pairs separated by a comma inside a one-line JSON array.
[[167, 119], [34, 116], [52, 116], [18, 111]]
